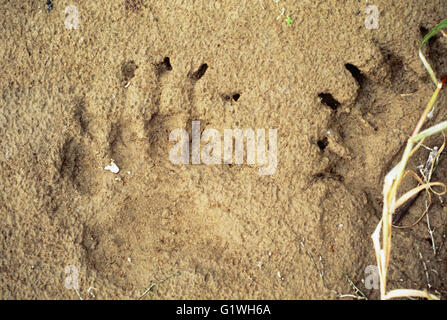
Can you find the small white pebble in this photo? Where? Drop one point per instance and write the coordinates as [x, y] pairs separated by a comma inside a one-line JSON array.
[[430, 114], [90, 291], [112, 167], [340, 225]]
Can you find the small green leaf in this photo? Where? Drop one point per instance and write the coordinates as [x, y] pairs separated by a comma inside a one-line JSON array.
[[289, 20], [429, 35], [431, 131], [434, 31]]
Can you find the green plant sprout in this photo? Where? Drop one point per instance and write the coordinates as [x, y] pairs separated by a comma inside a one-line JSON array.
[[394, 178], [289, 20]]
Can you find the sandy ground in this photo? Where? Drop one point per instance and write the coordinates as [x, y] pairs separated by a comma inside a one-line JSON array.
[[343, 98]]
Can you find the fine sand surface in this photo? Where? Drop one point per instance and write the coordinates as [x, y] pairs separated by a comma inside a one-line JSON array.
[[343, 98]]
